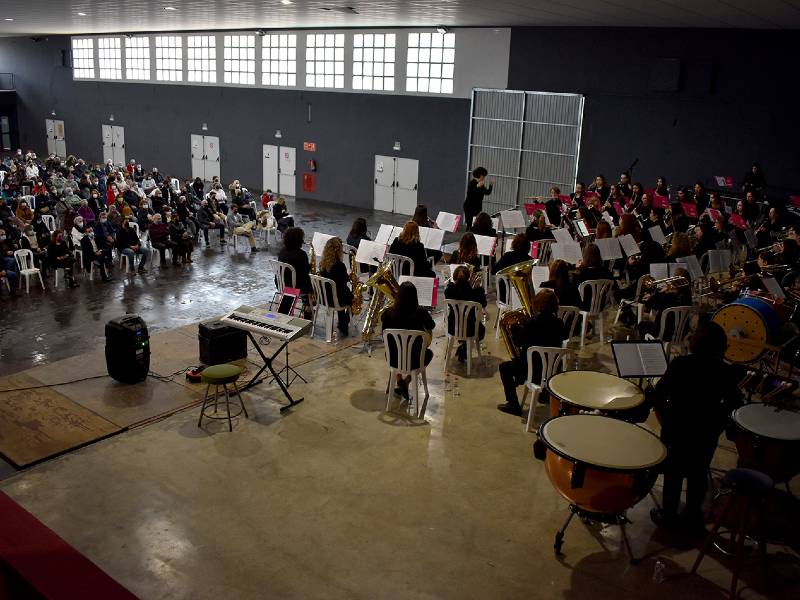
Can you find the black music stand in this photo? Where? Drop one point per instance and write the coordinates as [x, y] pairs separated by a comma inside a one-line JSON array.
[[291, 373], [275, 375]]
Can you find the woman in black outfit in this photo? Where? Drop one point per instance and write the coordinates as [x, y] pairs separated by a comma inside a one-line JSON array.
[[538, 229], [281, 215], [467, 253], [483, 225], [358, 232], [180, 236], [332, 267], [406, 313], [408, 244], [559, 282], [520, 252], [422, 219], [553, 207], [61, 258], [754, 180], [461, 289], [591, 267], [293, 254], [476, 190]]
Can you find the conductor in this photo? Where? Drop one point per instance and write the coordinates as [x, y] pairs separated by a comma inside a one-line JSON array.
[[476, 190]]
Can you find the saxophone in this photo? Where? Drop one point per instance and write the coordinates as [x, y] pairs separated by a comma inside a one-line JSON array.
[[519, 276], [312, 296], [358, 287]]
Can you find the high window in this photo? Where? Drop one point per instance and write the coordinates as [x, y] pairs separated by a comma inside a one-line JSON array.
[[169, 58], [431, 62], [240, 59], [137, 58], [201, 58], [373, 61], [325, 60], [83, 58], [279, 60]]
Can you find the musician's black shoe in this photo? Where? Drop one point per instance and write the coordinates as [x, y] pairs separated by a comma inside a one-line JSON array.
[[511, 409], [662, 519], [461, 352]]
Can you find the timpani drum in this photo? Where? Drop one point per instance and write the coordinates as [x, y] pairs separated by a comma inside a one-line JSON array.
[[750, 324], [768, 440], [599, 464], [589, 391]]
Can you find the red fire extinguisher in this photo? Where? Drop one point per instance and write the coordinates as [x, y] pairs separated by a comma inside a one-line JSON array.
[[312, 164]]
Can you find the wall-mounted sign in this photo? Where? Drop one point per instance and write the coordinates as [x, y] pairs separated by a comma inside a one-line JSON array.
[[310, 146]]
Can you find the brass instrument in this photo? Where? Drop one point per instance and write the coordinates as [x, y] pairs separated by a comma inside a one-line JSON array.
[[357, 285], [386, 286], [651, 285], [519, 276], [313, 264]]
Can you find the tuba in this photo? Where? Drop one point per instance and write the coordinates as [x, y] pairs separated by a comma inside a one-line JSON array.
[[519, 276], [357, 285], [386, 286]]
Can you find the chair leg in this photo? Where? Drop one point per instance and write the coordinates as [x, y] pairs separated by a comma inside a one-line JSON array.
[[742, 526], [712, 534], [601, 327], [203, 407], [529, 427], [389, 389], [584, 323], [468, 344], [228, 407], [447, 352], [236, 389]]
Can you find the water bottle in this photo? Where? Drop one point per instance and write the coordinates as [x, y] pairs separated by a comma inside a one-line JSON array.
[[658, 571]]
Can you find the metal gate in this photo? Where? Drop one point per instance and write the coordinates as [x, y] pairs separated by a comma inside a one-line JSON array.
[[528, 141]]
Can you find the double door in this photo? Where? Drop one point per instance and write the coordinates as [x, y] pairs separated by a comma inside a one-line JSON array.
[[56, 144], [205, 156], [113, 144], [396, 181], [280, 169]]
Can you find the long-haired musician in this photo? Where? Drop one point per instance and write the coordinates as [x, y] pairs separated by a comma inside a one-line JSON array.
[[460, 288], [408, 244], [332, 267], [543, 329], [406, 313]]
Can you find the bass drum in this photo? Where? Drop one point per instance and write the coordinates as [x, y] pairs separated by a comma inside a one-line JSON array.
[[768, 440], [599, 464], [750, 323]]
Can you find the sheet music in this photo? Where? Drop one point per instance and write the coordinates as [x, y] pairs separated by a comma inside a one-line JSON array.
[[486, 244], [431, 238], [659, 270], [719, 261], [693, 266], [609, 248], [562, 235], [539, 275], [773, 287], [512, 219], [629, 244], [427, 288], [387, 234], [644, 359], [448, 221], [567, 251], [370, 253], [318, 242], [496, 223], [673, 269], [657, 234]]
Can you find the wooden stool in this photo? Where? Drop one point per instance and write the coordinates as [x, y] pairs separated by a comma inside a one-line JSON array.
[[221, 375], [748, 488]]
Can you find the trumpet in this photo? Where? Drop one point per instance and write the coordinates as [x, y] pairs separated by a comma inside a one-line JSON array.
[[651, 285]]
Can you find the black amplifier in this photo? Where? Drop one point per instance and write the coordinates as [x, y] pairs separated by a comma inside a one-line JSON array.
[[220, 343]]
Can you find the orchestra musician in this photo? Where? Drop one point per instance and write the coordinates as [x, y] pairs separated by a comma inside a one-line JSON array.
[[476, 190], [483, 225], [577, 196], [553, 207], [590, 267], [603, 230], [332, 267], [408, 244], [539, 229], [422, 219], [460, 288], [467, 253], [406, 313], [635, 199], [543, 329], [520, 252], [559, 281], [600, 187], [624, 185], [700, 197], [662, 189], [658, 301], [293, 254], [693, 401]]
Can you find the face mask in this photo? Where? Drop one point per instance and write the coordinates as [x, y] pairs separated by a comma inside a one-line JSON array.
[[90, 234], [2, 238], [104, 220]]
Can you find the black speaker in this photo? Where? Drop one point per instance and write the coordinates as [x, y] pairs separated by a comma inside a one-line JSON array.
[[127, 349], [220, 343]]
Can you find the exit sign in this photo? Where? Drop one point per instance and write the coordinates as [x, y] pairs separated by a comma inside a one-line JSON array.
[[310, 146]]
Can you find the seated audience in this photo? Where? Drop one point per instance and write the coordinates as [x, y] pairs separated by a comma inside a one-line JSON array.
[[281, 215], [182, 238], [129, 244], [60, 257], [91, 253], [238, 226]]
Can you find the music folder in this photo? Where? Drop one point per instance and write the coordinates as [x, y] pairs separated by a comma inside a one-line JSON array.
[[639, 358], [427, 288]]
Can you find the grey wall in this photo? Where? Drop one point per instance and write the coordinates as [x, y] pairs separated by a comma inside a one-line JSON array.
[[736, 101], [349, 129]]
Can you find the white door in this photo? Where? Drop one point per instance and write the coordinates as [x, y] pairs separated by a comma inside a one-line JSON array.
[[60, 138], [405, 187], [384, 183], [269, 157], [50, 130], [108, 143], [118, 144], [211, 152], [287, 169], [198, 158]]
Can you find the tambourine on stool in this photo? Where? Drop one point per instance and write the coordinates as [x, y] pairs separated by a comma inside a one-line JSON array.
[[600, 465]]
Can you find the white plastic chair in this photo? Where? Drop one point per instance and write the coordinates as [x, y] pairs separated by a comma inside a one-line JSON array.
[[635, 303], [461, 310], [271, 226], [400, 264], [680, 315], [77, 252], [403, 341], [236, 237], [26, 268], [321, 285], [600, 289], [125, 263], [280, 269], [505, 300], [58, 276], [571, 316], [550, 358], [50, 222]]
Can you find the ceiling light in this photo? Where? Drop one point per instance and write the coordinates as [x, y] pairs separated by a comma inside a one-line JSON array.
[[287, 2], [170, 8], [9, 19], [441, 29], [81, 14]]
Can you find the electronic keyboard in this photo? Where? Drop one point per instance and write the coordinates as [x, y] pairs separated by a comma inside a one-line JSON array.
[[276, 325]]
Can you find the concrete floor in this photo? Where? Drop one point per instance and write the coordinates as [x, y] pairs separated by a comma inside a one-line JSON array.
[[335, 498]]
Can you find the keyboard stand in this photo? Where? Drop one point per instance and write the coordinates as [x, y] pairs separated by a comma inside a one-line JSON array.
[[268, 365], [291, 374]]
